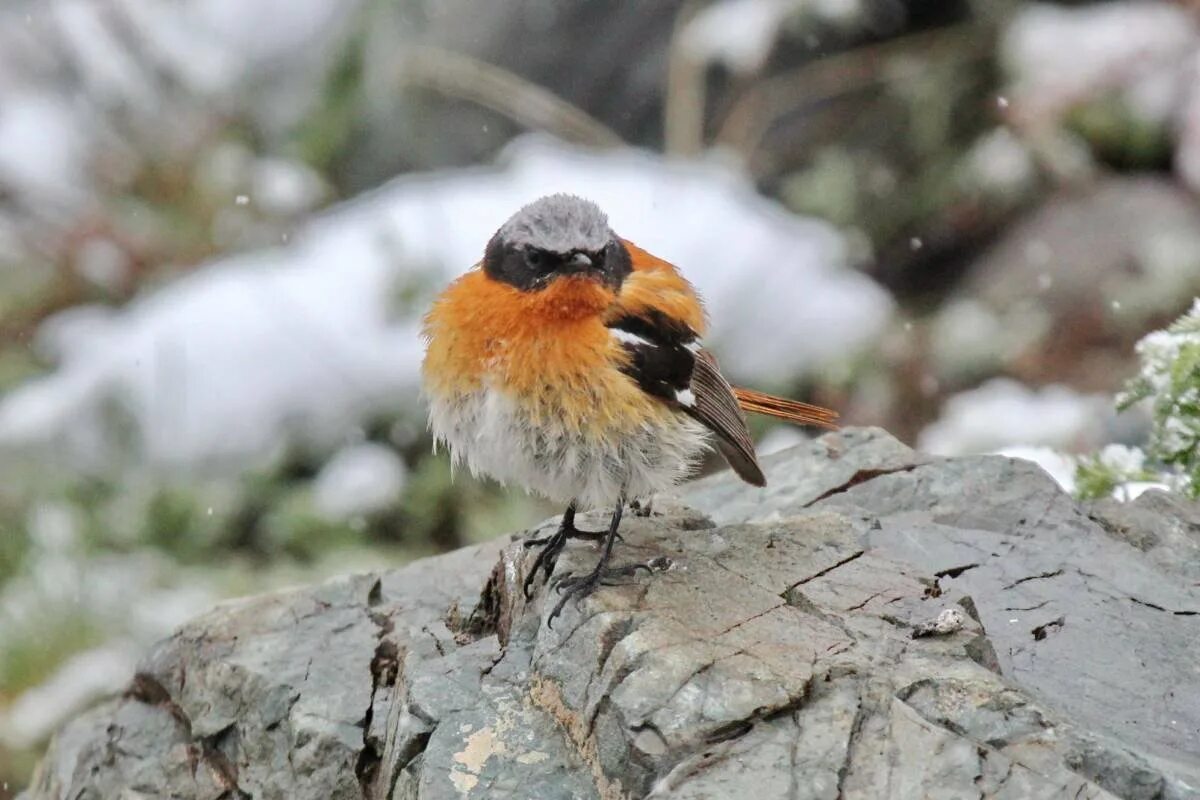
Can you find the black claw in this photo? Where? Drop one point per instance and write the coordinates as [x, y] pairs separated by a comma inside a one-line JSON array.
[[570, 533], [578, 588], [545, 561], [572, 587], [552, 546]]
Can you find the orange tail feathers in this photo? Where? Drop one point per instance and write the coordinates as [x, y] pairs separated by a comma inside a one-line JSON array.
[[782, 408]]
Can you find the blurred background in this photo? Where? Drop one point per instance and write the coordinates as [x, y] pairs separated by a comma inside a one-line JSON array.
[[220, 222]]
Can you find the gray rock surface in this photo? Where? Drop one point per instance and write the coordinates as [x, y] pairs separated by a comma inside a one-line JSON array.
[[774, 657]]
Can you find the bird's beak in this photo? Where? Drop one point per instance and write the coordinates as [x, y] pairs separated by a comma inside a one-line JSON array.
[[579, 262]]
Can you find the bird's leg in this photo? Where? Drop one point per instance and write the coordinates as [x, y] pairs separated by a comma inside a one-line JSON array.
[[577, 587], [553, 545], [567, 527]]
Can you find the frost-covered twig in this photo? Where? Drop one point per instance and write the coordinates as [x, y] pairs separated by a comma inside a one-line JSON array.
[[1169, 382]]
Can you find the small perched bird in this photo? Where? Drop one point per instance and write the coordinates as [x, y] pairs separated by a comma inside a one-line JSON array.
[[569, 361]]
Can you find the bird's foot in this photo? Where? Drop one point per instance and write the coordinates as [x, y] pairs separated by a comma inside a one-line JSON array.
[[570, 532], [552, 546], [578, 587]]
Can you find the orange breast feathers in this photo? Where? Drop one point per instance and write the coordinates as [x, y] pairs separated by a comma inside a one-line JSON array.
[[657, 284], [549, 350]]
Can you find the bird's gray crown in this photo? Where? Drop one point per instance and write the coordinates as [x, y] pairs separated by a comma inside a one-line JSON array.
[[558, 223]]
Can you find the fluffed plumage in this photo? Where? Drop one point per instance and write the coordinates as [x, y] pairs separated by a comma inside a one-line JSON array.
[[569, 361]]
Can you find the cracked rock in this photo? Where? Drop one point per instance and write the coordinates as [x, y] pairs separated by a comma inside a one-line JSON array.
[[775, 658]]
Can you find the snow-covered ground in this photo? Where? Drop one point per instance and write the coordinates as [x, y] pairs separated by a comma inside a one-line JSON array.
[[1003, 412], [66, 66], [1055, 427], [299, 341], [1005, 417]]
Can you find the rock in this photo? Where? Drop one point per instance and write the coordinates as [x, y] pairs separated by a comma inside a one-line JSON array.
[[1102, 630], [1163, 525], [774, 657]]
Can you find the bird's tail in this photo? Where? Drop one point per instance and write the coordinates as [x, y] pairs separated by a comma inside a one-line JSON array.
[[782, 408]]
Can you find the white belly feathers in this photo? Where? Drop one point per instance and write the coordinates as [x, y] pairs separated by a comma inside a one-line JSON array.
[[486, 431]]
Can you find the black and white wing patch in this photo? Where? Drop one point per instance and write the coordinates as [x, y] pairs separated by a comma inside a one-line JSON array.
[[667, 361]]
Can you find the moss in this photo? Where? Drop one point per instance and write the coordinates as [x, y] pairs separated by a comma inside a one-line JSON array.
[[13, 542], [41, 644], [1169, 382], [1094, 479], [321, 139], [294, 528], [1119, 136]]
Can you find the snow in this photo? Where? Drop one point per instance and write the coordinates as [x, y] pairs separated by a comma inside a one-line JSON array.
[[103, 263], [1170, 392], [295, 343], [77, 76], [740, 34], [967, 337], [1059, 466], [106, 67], [1135, 489], [1159, 350], [214, 44], [43, 152], [283, 187], [1122, 459], [117, 590], [1003, 412], [181, 48], [736, 33], [1001, 163], [265, 30], [359, 479], [1040, 425]]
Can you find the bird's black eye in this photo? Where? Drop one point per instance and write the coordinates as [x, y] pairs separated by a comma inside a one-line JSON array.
[[535, 258]]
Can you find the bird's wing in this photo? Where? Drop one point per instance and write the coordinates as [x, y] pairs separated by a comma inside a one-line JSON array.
[[717, 409], [666, 360], [658, 320]]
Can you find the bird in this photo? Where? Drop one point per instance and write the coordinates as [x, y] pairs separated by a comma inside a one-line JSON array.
[[571, 362]]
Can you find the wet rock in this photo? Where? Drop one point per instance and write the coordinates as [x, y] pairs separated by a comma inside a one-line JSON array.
[[774, 655]]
